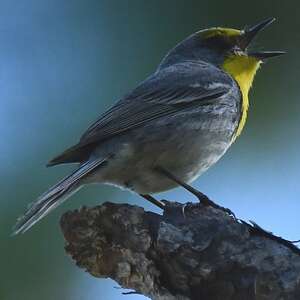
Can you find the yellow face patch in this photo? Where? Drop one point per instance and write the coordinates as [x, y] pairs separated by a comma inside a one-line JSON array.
[[220, 31], [243, 69]]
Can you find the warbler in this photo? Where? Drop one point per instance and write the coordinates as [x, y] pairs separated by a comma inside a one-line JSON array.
[[172, 127]]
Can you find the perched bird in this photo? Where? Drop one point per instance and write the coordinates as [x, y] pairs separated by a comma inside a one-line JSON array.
[[172, 127]]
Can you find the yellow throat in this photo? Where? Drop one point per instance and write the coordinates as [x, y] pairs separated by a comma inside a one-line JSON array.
[[242, 68]]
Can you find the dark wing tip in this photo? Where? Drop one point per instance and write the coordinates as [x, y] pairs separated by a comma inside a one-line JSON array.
[[75, 154], [56, 160], [51, 163]]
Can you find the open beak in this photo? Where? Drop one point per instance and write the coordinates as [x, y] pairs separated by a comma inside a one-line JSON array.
[[251, 32], [263, 55]]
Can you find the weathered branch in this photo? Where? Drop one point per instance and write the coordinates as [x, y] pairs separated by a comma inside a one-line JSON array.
[[201, 254]]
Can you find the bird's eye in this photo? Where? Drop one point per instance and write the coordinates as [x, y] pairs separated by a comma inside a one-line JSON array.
[[218, 43], [237, 51]]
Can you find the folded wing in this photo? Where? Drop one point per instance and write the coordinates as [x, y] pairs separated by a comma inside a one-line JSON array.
[[164, 93]]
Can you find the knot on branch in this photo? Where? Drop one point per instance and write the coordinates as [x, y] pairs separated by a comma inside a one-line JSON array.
[[200, 254]]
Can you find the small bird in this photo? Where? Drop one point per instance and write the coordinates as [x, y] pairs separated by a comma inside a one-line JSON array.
[[172, 127]]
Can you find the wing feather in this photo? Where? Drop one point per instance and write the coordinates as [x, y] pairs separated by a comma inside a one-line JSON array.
[[164, 93]]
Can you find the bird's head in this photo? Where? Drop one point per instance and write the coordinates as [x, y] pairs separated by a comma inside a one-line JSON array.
[[225, 48]]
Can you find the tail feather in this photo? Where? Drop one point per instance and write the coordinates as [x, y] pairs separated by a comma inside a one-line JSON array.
[[55, 196]]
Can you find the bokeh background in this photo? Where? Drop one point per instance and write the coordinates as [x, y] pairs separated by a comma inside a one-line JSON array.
[[63, 62]]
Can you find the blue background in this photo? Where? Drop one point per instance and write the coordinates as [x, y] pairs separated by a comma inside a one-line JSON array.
[[65, 62]]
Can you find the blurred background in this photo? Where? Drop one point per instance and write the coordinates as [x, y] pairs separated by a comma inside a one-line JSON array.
[[64, 62]]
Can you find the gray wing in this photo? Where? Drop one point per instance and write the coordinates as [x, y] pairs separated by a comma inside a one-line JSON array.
[[165, 92]]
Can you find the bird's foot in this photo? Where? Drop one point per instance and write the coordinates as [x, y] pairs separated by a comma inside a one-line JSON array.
[[207, 202], [202, 197]]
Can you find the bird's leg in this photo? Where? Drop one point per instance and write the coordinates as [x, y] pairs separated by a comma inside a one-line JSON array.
[[202, 197], [153, 201]]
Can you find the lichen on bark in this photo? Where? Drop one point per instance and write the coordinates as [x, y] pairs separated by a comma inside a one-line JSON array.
[[202, 253]]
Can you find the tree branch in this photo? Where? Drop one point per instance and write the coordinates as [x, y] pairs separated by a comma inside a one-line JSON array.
[[201, 254]]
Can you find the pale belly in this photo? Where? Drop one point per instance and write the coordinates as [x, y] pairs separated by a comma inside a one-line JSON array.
[[185, 150]]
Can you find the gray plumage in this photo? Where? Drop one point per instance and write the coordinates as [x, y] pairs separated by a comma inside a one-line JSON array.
[[181, 118]]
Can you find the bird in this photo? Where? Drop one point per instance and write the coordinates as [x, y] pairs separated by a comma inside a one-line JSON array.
[[172, 127]]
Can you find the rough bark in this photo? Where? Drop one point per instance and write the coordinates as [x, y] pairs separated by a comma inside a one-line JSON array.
[[201, 254]]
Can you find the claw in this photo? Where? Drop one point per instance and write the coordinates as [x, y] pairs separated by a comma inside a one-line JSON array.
[[207, 202], [183, 209]]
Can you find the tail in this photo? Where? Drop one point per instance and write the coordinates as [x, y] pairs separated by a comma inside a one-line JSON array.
[[55, 196]]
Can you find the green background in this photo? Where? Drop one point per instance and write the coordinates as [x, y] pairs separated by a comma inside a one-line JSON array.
[[64, 62]]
